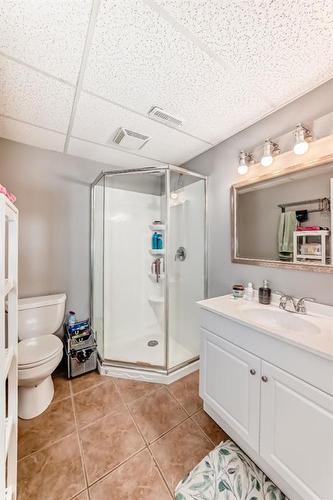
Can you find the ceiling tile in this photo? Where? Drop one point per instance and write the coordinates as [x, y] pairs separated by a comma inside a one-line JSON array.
[[139, 60], [47, 35], [97, 120], [30, 134], [110, 156], [284, 48], [32, 97]]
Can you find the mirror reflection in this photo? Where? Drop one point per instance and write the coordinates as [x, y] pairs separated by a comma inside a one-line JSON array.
[[287, 219]]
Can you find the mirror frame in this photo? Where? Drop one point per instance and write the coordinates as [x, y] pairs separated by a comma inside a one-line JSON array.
[[320, 153]]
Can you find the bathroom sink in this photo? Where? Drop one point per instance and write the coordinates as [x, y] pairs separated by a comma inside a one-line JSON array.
[[283, 320]]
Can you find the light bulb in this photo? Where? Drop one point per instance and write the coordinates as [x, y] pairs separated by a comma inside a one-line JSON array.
[[301, 145], [301, 148], [267, 160], [242, 166], [269, 148]]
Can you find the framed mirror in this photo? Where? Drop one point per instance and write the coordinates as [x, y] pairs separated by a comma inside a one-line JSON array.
[[281, 216]]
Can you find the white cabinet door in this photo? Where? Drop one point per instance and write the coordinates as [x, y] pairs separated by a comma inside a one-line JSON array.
[[230, 384], [296, 435]]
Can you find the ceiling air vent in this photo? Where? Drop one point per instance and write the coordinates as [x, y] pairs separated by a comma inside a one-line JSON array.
[[129, 139], [162, 116]]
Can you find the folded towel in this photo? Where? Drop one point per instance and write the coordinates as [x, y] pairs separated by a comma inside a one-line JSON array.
[[308, 228], [287, 226]]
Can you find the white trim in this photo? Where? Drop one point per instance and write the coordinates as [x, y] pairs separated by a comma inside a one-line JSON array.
[[147, 376]]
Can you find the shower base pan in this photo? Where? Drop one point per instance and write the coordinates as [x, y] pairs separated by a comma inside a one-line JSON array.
[[145, 374]]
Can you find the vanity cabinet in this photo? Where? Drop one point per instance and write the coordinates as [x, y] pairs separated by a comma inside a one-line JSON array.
[[296, 432], [282, 422], [230, 383]]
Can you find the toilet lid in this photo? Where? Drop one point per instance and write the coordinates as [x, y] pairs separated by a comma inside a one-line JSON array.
[[38, 349]]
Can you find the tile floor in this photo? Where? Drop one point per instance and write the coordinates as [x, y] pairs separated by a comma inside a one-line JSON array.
[[104, 438]]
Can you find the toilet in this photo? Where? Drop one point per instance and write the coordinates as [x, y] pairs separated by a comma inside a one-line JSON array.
[[39, 351]]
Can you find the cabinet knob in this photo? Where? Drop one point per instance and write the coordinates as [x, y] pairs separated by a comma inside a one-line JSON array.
[[252, 371], [264, 378]]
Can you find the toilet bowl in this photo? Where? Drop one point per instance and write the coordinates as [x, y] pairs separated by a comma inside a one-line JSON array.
[[39, 351]]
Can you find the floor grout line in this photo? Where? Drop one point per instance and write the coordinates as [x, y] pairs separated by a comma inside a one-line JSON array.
[[146, 444], [117, 466], [160, 471], [180, 404], [203, 432], [169, 430], [48, 445], [83, 464], [131, 415]]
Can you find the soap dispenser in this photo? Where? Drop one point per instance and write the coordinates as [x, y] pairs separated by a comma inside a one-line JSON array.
[[265, 293]]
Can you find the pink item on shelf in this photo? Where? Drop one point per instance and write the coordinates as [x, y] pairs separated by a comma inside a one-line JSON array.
[[308, 228], [9, 195]]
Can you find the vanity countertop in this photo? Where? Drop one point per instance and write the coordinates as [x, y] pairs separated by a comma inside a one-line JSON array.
[[312, 331]]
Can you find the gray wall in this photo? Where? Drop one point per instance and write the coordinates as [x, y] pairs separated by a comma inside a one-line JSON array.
[[53, 198], [221, 164]]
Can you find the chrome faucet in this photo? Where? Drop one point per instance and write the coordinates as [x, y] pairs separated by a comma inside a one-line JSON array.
[[298, 306]]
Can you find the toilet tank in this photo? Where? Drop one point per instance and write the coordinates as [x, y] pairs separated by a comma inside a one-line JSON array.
[[40, 315]]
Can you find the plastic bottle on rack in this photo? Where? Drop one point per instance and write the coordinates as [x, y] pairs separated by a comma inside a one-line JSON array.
[[154, 241], [159, 242]]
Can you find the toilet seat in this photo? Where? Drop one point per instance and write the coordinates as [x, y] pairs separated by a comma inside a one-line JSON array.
[[35, 351]]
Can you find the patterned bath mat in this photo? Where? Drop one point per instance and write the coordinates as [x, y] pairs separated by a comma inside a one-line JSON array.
[[226, 473]]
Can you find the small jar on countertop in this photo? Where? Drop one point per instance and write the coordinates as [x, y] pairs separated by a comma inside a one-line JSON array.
[[238, 291]]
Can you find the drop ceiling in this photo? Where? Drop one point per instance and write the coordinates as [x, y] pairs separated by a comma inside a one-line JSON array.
[[73, 72]]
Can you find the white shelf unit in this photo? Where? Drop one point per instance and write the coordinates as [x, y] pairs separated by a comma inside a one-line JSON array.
[[157, 252], [301, 236], [157, 227], [8, 348], [152, 276]]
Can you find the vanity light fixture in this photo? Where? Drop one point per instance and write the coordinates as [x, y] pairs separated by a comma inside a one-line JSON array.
[[245, 159], [302, 138], [270, 149]]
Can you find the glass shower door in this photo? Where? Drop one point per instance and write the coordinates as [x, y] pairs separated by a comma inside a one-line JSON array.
[[97, 263], [134, 284], [186, 265]]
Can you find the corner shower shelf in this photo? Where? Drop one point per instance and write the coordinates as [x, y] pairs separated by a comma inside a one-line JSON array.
[[153, 276], [157, 252], [157, 227], [156, 300]]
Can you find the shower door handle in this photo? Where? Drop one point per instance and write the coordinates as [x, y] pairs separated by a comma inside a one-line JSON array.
[[180, 254]]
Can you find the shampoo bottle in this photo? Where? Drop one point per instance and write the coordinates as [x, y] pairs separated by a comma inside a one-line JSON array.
[[154, 241], [159, 242]]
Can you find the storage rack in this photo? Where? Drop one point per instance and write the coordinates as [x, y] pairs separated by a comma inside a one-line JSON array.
[[8, 348], [303, 235]]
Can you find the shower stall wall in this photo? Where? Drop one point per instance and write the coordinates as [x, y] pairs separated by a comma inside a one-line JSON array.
[[142, 297]]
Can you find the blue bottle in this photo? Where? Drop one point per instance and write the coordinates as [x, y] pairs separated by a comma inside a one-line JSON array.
[[159, 242], [154, 241]]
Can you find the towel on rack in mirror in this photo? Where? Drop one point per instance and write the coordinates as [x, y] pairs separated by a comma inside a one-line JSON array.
[[287, 226]]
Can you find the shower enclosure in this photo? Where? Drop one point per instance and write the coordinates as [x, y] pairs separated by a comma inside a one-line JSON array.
[[143, 298]]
